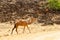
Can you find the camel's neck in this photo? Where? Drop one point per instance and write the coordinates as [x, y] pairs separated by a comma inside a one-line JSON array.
[[32, 20]]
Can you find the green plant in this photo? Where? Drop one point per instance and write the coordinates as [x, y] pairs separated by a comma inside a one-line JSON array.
[[54, 4]]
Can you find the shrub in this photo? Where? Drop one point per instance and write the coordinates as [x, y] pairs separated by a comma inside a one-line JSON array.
[[54, 4]]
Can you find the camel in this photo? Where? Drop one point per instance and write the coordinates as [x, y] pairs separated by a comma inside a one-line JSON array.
[[24, 24]]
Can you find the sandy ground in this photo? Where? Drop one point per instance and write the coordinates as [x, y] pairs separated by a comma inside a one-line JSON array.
[[38, 32]]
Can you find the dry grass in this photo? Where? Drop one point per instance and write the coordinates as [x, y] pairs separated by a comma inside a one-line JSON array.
[[38, 32]]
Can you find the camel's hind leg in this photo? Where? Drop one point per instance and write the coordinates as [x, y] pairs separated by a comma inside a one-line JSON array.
[[13, 29], [28, 29], [16, 30]]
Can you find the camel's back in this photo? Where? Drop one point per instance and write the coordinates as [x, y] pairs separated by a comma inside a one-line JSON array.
[[22, 23]]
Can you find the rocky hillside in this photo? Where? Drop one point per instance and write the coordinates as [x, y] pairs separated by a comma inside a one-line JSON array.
[[14, 9], [11, 9]]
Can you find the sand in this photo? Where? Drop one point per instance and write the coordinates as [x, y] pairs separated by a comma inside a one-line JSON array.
[[38, 32]]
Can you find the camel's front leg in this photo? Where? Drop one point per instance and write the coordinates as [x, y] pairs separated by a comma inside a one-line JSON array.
[[24, 29]]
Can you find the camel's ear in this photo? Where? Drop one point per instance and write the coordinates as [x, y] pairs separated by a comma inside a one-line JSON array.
[[22, 18]]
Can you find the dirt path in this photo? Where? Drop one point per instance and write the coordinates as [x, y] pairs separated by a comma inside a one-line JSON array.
[[37, 36], [37, 33]]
